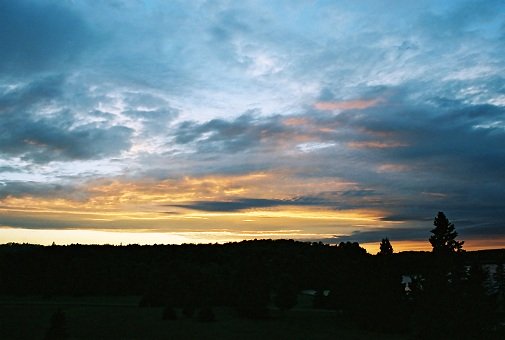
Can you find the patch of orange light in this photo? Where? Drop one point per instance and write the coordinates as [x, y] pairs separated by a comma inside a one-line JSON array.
[[398, 246], [375, 145], [116, 237], [296, 121], [480, 244], [392, 168], [141, 199], [147, 206], [317, 213], [325, 130], [424, 245], [347, 105]]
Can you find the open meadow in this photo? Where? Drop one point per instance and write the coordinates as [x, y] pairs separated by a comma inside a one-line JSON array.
[[121, 318]]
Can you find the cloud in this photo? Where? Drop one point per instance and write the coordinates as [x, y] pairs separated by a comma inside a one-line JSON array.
[[8, 168], [347, 105], [243, 133], [246, 204], [420, 231], [375, 145], [400, 156], [43, 141], [56, 134], [36, 189], [334, 200], [375, 235], [153, 112], [233, 206]]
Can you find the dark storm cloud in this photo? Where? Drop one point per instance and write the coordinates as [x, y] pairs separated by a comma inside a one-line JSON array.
[[27, 134], [35, 36]]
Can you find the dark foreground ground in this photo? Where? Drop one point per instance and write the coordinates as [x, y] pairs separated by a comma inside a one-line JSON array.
[[121, 318]]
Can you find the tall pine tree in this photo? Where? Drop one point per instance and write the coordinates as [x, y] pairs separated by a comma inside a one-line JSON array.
[[444, 236], [385, 247]]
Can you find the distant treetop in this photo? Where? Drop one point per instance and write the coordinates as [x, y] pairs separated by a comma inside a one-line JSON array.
[[444, 236], [385, 247]]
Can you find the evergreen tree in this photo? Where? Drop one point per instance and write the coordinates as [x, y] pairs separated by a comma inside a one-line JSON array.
[[444, 236], [385, 247], [499, 286], [474, 311]]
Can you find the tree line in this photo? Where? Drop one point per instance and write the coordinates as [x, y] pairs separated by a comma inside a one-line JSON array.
[[450, 292]]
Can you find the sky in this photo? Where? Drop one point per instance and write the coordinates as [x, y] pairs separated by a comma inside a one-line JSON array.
[[130, 121]]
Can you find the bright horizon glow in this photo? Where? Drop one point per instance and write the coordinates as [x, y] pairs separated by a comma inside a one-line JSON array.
[[101, 237]]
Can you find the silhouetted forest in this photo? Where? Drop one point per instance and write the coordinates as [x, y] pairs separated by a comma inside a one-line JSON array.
[[455, 292], [446, 294]]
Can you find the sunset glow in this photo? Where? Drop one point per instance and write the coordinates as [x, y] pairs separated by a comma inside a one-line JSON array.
[[194, 122]]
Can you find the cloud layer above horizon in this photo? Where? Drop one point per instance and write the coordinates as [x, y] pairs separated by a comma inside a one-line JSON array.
[[320, 120]]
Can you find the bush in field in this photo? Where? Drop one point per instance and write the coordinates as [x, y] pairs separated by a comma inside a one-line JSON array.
[[206, 314], [188, 310], [169, 313], [287, 294], [57, 330]]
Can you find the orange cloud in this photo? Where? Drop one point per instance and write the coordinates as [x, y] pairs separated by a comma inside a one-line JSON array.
[[296, 121], [392, 168], [129, 199], [375, 145], [347, 104]]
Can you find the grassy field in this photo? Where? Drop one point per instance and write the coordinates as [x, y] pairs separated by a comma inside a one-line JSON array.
[[120, 318]]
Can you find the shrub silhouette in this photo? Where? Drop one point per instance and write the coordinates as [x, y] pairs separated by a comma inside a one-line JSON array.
[[287, 294], [169, 313], [188, 310], [57, 329], [206, 314]]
